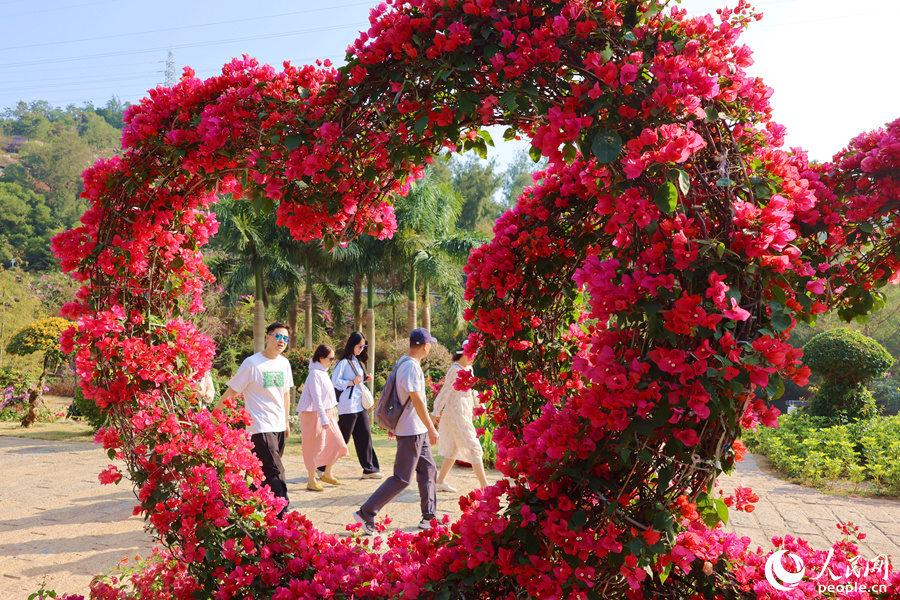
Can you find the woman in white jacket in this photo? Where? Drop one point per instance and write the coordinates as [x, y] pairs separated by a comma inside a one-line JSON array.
[[458, 439], [349, 377], [321, 440]]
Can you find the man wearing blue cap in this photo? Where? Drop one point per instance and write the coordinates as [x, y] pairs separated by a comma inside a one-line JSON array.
[[416, 434]]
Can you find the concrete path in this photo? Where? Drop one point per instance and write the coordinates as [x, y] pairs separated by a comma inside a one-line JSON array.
[[60, 526]]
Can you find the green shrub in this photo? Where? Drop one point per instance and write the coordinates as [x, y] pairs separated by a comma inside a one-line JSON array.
[[18, 380], [299, 359], [815, 450], [488, 445], [845, 360], [87, 409], [887, 396]]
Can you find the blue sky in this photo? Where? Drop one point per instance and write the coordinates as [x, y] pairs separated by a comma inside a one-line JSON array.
[[829, 61]]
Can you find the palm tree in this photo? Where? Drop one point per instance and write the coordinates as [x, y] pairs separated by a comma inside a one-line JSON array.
[[256, 251], [433, 249]]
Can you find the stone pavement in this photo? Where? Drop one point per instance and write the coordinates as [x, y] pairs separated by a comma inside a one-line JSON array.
[[59, 525], [787, 508]]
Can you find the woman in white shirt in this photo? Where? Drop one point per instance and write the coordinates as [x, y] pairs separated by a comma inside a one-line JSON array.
[[321, 439], [458, 439], [348, 377]]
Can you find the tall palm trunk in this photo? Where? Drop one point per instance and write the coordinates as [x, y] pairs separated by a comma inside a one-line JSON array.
[[357, 303], [292, 323], [370, 332], [426, 307], [259, 314], [411, 301], [308, 324], [394, 321]]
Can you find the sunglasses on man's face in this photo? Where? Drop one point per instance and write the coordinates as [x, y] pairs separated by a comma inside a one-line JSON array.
[[280, 337]]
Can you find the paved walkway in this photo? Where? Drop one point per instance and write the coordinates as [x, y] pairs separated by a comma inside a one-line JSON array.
[[60, 526]]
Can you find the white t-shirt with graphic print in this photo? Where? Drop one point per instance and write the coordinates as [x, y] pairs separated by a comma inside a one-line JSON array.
[[264, 382]]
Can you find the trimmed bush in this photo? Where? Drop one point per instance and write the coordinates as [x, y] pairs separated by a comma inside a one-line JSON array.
[[87, 409], [845, 360]]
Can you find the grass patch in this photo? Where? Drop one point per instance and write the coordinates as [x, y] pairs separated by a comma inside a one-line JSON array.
[[64, 430]]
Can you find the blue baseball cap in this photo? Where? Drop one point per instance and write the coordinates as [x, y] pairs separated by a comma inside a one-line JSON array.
[[421, 336]]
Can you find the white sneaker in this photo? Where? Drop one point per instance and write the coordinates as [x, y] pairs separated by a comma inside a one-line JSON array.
[[423, 524], [367, 528], [445, 487], [375, 475]]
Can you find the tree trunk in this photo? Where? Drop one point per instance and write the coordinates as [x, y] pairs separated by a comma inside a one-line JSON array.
[[308, 324], [370, 332], [259, 316], [394, 322], [35, 398], [357, 303], [426, 307], [292, 323], [411, 302]]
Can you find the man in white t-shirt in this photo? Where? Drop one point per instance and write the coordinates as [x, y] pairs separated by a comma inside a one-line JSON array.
[[265, 380], [416, 434]]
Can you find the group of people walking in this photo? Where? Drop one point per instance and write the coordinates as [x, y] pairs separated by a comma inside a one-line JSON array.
[[333, 408]]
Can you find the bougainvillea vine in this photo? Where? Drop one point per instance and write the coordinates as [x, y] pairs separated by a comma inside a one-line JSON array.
[[633, 308]]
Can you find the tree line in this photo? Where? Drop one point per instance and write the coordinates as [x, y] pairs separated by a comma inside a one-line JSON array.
[[43, 151]]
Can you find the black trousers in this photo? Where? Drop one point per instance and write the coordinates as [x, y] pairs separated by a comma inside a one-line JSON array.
[[269, 448], [356, 425]]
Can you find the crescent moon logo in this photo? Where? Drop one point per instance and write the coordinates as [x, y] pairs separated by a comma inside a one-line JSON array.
[[776, 573]]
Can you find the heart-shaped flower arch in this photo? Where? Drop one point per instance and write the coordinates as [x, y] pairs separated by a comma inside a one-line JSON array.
[[633, 308]]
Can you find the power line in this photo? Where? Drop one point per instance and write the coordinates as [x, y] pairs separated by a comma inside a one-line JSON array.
[[180, 46], [153, 31]]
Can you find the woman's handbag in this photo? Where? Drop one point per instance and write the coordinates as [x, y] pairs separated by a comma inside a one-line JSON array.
[[367, 400]]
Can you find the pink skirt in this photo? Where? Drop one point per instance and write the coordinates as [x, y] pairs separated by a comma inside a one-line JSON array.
[[321, 445]]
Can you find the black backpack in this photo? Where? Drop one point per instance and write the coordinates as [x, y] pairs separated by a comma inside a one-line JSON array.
[[389, 408]]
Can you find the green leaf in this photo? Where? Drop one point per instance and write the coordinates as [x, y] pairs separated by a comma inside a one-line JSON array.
[[606, 55], [682, 179], [781, 321], [570, 153], [712, 114], [535, 153], [722, 510], [725, 182], [666, 198], [486, 136], [293, 141], [509, 99], [421, 124], [762, 191], [579, 518], [111, 453], [607, 146], [775, 388], [509, 134], [664, 574]]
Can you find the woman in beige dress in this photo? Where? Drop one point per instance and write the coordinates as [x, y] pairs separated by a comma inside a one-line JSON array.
[[458, 439], [321, 438]]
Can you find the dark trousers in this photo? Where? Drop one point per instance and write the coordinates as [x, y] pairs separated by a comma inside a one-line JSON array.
[[269, 448], [413, 457], [356, 425]]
